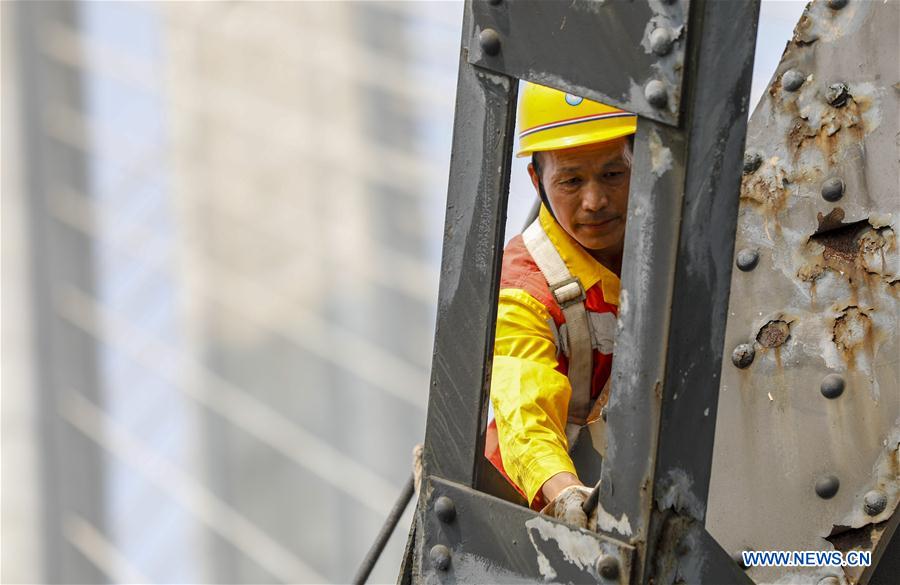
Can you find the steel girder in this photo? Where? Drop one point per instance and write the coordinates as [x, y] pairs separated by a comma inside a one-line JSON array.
[[679, 243], [806, 451]]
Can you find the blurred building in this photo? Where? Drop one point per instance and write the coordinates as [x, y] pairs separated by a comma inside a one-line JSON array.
[[221, 233], [224, 245]]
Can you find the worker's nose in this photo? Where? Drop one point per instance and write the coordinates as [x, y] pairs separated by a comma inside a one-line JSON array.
[[594, 199]]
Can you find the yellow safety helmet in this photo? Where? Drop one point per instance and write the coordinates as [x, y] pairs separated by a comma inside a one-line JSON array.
[[550, 119]]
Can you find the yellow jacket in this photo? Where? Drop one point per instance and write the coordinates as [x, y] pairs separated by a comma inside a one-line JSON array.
[[529, 388]]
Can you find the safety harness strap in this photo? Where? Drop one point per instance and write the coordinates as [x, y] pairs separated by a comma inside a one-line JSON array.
[[569, 293]]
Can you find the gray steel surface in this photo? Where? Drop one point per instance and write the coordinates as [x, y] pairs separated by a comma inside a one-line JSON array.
[[607, 51], [470, 270], [821, 398], [675, 281], [490, 540]]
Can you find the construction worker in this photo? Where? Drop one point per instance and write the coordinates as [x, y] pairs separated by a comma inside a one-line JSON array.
[[559, 296]]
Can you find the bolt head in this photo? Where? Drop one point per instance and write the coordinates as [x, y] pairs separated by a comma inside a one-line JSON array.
[[832, 386], [445, 509], [752, 161], [832, 189], [875, 502], [837, 94], [489, 40], [747, 259], [608, 567], [836, 4], [440, 557], [738, 558], [661, 41], [792, 80], [655, 93], [743, 355], [827, 486]]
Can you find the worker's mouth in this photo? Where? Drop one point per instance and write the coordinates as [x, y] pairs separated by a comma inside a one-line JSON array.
[[600, 226]]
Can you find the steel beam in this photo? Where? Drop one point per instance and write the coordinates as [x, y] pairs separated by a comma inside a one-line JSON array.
[[628, 54], [470, 269], [675, 281]]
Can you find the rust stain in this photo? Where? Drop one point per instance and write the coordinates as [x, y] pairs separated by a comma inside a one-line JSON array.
[[833, 127], [774, 334], [811, 273], [841, 241], [856, 250], [766, 189], [852, 332]]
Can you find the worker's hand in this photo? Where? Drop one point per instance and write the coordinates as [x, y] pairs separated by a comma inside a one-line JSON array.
[[566, 507]]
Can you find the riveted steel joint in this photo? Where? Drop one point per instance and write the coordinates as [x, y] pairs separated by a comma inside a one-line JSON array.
[[445, 509], [489, 40], [608, 567], [440, 557]]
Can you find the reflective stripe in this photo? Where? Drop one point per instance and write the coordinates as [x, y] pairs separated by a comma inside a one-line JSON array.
[[569, 293], [580, 119]]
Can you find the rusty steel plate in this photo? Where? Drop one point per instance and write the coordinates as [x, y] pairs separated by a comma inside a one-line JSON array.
[[806, 451]]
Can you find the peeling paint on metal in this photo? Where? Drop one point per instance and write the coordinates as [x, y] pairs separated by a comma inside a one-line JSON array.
[[471, 568], [609, 523], [660, 155], [577, 547], [885, 478], [829, 269], [675, 492]]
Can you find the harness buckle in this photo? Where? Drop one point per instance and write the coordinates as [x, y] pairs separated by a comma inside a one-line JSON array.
[[569, 292]]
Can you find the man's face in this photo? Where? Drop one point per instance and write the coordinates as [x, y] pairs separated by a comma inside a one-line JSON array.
[[588, 190]]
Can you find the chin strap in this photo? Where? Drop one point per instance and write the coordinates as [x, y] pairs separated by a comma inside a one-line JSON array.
[[541, 191]]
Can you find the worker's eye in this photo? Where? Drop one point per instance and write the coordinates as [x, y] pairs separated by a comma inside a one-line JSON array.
[[570, 182], [614, 177]]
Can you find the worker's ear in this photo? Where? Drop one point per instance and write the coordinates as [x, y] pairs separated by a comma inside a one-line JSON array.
[[535, 178]]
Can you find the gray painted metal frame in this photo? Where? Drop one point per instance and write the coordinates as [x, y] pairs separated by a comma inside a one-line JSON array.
[[818, 305], [679, 244], [676, 280], [607, 51]]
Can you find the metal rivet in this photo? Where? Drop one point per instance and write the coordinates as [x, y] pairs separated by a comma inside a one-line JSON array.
[[792, 80], [738, 558], [608, 567], [752, 161], [829, 580], [836, 4], [832, 386], [837, 94], [489, 41], [827, 486], [440, 557], [661, 41], [875, 502], [832, 189], [655, 92], [747, 259], [445, 509], [743, 355]]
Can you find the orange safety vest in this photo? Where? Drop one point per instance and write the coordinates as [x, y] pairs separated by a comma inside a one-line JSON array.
[[520, 271]]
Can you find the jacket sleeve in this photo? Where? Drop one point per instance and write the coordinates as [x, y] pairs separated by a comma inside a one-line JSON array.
[[530, 397]]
